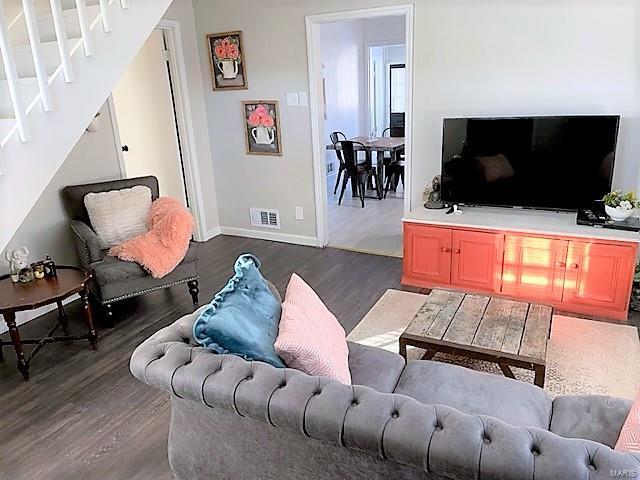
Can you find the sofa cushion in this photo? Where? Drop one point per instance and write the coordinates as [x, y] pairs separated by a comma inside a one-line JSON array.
[[517, 403], [374, 367], [242, 319], [590, 417], [310, 338], [112, 269], [119, 215]]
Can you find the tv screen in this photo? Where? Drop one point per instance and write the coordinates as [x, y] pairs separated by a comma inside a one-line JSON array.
[[556, 163]]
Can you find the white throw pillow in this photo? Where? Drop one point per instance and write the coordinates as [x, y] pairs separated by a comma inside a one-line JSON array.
[[119, 215]]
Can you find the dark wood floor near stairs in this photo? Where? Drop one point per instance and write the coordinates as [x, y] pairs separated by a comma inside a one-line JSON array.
[[83, 416]]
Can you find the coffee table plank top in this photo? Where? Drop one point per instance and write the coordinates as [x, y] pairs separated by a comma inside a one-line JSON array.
[[536, 331], [464, 325], [434, 316], [502, 326], [484, 324]]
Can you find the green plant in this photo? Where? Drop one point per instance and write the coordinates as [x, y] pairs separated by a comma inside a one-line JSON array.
[[626, 201], [636, 276]]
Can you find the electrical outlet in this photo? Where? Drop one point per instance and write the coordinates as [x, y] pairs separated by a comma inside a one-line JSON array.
[[299, 213]]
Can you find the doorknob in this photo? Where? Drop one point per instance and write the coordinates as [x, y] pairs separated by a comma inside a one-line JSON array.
[[125, 148]]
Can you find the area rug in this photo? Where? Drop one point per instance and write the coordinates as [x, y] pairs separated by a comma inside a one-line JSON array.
[[583, 356]]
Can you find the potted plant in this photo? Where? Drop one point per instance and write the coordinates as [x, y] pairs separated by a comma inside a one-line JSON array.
[[620, 206]]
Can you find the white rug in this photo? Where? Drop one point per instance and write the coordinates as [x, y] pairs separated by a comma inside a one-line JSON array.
[[583, 356]]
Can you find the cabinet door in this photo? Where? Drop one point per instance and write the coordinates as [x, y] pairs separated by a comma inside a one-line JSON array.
[[534, 267], [427, 255], [599, 276], [477, 260]]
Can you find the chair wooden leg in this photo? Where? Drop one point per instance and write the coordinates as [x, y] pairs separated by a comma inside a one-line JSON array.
[[345, 180]]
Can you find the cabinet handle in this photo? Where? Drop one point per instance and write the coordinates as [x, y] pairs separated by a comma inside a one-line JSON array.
[[562, 264], [456, 251], [575, 266], [445, 250]]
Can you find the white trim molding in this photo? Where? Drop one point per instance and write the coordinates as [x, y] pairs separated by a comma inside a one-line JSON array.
[[314, 56], [270, 235]]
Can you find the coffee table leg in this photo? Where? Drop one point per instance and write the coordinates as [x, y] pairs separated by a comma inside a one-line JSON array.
[[23, 365], [88, 317], [540, 373], [506, 370], [403, 348]]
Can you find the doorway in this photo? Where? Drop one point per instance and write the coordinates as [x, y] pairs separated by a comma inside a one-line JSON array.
[[378, 106]]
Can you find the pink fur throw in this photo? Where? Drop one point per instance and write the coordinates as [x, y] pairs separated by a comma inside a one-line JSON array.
[[164, 246]]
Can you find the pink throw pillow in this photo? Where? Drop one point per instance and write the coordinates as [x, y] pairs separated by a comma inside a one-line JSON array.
[[310, 339], [629, 439]]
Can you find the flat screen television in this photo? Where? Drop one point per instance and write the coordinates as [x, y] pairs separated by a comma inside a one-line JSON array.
[[553, 163]]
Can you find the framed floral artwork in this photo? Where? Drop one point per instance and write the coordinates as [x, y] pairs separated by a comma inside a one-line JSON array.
[[262, 127], [227, 60]]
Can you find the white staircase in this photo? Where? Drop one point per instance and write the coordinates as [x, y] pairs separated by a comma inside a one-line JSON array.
[[60, 61]]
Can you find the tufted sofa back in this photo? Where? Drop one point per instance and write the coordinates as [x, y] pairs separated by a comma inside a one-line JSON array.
[[223, 398]]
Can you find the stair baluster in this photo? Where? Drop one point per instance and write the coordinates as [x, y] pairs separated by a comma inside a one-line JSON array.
[[104, 13], [85, 29], [63, 42], [9, 62], [36, 53]]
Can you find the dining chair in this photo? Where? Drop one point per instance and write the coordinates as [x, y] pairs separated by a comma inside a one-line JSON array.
[[335, 138], [359, 172], [393, 132], [394, 173]]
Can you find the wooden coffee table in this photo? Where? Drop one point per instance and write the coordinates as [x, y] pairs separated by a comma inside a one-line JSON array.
[[509, 333], [17, 297]]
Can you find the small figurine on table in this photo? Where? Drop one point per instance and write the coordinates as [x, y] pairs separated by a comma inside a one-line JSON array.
[[432, 196], [19, 265]]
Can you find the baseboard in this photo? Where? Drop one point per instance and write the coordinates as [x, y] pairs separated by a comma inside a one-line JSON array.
[[268, 235], [24, 317], [214, 232]]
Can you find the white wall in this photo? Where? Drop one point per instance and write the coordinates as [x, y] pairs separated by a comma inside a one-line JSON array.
[[472, 57], [197, 86], [343, 59]]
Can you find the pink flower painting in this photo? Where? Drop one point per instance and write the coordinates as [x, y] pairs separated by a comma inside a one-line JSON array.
[[228, 63], [262, 127]]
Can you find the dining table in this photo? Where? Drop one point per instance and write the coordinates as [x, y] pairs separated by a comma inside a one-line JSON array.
[[377, 145]]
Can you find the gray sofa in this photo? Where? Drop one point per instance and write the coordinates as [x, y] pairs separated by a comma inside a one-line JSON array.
[[236, 419], [115, 280]]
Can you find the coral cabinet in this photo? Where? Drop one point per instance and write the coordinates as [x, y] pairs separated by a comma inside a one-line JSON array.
[[581, 275]]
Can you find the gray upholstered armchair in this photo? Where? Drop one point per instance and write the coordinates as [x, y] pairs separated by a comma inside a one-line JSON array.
[[114, 279]]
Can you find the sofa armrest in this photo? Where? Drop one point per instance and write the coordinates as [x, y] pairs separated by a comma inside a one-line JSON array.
[[87, 243], [435, 438]]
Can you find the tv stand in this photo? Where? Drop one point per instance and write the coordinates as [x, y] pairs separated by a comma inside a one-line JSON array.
[[528, 255]]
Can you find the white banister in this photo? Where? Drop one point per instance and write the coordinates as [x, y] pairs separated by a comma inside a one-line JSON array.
[[61, 38], [36, 53], [124, 3], [81, 5], [104, 13], [11, 73]]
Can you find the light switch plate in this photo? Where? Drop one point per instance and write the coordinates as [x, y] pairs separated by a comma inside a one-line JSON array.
[[299, 213], [292, 99], [303, 99]]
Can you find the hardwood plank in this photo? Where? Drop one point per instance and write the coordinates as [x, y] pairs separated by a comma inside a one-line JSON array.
[[465, 323], [441, 322], [536, 332], [502, 325]]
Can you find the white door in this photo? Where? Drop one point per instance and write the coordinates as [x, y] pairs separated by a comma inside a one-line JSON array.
[[145, 115]]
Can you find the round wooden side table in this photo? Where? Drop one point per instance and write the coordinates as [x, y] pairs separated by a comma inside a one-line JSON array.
[[18, 297]]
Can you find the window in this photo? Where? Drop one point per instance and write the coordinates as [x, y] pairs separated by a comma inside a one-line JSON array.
[[397, 88]]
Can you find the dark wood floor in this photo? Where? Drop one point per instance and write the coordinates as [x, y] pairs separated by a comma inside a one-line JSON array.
[[84, 416]]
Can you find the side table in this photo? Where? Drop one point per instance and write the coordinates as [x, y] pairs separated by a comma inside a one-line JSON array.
[[18, 297]]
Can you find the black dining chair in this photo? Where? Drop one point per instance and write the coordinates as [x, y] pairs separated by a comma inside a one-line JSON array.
[[359, 173], [393, 132], [394, 173], [335, 138]]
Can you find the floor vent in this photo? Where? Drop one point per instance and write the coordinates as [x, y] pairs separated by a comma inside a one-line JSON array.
[[261, 217]]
